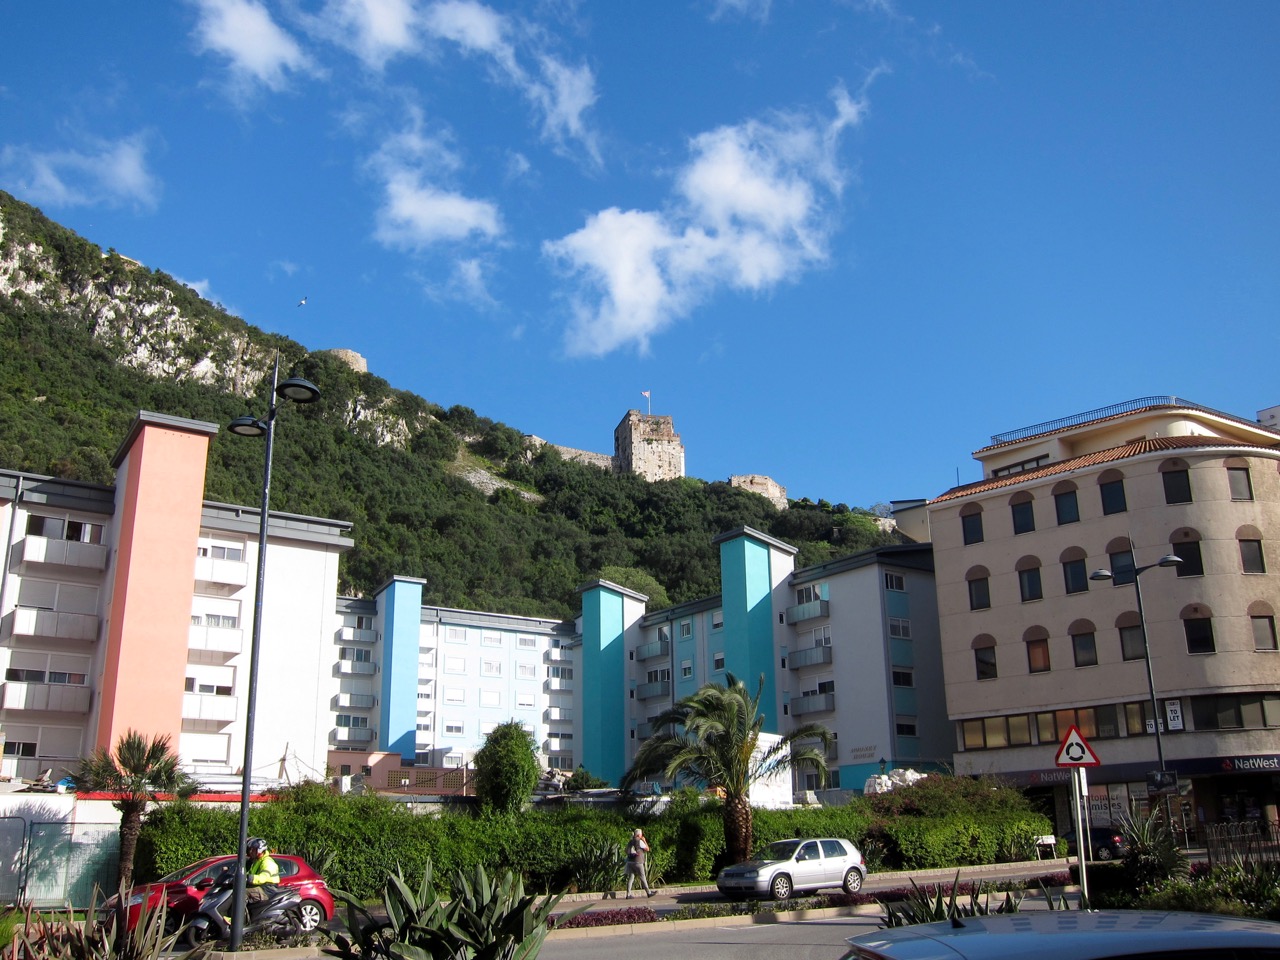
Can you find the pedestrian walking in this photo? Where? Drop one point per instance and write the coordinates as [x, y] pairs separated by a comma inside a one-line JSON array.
[[637, 851]]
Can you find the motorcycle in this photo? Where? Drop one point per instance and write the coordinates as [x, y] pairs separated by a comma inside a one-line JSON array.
[[278, 916]]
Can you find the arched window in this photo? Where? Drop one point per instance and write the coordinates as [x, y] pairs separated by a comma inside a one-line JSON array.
[[1075, 574], [1262, 620], [984, 656], [1120, 554], [1132, 643], [979, 583], [1029, 584], [1185, 542], [1084, 644], [971, 523], [1065, 503], [1197, 624], [1111, 488], [1177, 480], [1238, 480], [1022, 509], [1252, 558], [1037, 640]]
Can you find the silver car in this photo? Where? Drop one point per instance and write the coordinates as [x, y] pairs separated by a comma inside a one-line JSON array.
[[791, 866], [1074, 935]]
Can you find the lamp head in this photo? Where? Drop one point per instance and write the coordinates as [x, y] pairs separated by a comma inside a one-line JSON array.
[[298, 390], [247, 427], [1100, 575], [1169, 560]]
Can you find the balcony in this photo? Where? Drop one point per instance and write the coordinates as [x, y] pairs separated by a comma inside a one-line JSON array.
[[53, 697], [555, 745], [813, 703], [54, 624], [64, 553], [561, 714], [355, 635], [351, 735], [657, 648], [364, 701], [209, 706], [808, 611], [556, 683], [215, 639], [357, 667], [655, 688], [808, 657], [230, 573]]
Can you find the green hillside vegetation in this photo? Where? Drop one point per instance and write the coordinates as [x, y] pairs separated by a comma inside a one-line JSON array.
[[67, 398]]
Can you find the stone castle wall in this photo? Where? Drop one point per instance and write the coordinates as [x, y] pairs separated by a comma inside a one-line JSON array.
[[648, 445], [767, 487]]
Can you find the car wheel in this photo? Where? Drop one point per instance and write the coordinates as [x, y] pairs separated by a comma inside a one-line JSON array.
[[310, 915], [1103, 853], [780, 888], [852, 881]]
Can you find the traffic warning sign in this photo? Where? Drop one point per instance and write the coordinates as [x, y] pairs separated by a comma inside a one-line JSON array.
[[1076, 752]]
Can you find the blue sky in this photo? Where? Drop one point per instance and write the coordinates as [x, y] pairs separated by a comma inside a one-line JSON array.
[[841, 243]]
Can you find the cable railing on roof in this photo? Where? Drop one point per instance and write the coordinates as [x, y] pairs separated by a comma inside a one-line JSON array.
[[1101, 413]]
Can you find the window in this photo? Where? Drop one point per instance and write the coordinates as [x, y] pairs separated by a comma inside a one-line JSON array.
[[454, 728], [455, 664], [895, 581], [900, 628], [453, 760], [1122, 567], [822, 635], [1024, 520], [1038, 656], [19, 675], [364, 622], [1199, 635], [903, 677], [717, 661], [686, 669], [527, 643], [1239, 482], [1236, 711], [560, 673], [491, 639], [455, 635], [1029, 584], [1177, 486], [73, 679], [1085, 649], [527, 671], [1113, 500], [904, 726], [525, 701], [827, 686], [424, 727], [717, 619], [1131, 645], [490, 668], [984, 661], [658, 675], [1021, 467], [810, 593], [979, 594], [686, 629], [19, 748], [455, 695], [356, 654], [1074, 576], [971, 528], [1251, 559], [1192, 564], [1264, 633], [1066, 507], [664, 633], [490, 698]]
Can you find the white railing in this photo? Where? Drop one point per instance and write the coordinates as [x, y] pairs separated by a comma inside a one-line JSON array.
[[54, 697], [64, 553], [216, 639], [31, 622], [209, 706], [233, 573]]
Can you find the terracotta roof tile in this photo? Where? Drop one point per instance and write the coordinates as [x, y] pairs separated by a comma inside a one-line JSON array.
[[1110, 455]]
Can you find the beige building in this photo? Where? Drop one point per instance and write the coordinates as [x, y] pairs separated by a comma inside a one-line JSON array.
[[1033, 645]]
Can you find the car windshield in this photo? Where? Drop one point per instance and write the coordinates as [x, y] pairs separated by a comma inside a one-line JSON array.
[[186, 871], [781, 850]]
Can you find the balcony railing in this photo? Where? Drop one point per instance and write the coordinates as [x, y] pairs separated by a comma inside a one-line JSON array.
[[555, 745], [656, 648], [232, 573], [808, 657], [64, 553], [215, 639], [54, 624], [562, 714], [808, 611], [355, 635], [362, 700], [814, 703], [357, 667], [655, 688], [209, 706], [351, 735], [556, 683], [53, 697]]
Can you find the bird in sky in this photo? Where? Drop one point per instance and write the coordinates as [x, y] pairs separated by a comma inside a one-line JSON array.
[[302, 302]]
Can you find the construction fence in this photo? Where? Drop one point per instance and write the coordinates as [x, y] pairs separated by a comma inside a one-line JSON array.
[[57, 864]]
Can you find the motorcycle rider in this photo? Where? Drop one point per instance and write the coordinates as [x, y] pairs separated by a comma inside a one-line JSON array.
[[262, 874]]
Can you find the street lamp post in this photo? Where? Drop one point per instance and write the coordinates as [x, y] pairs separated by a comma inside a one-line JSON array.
[[299, 391], [1169, 560]]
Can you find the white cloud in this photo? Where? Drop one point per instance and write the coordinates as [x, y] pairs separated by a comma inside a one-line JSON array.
[[419, 209], [559, 92], [753, 207], [467, 283], [375, 30], [752, 9], [110, 173], [260, 51]]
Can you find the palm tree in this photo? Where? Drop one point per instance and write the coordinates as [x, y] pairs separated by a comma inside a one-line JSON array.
[[713, 736], [138, 771]]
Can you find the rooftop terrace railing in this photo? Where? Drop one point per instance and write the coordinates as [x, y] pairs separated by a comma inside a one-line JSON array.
[[1101, 413]]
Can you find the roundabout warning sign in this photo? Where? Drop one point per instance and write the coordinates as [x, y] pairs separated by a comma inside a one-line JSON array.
[[1076, 752]]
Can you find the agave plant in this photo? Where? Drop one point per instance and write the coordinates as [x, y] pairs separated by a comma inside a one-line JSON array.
[[96, 938], [1153, 855], [925, 907]]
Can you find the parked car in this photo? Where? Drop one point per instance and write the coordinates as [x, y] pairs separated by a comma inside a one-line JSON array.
[[790, 866], [1105, 843], [182, 890], [1073, 935]]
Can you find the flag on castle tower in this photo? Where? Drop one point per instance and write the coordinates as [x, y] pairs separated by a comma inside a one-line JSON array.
[[645, 394]]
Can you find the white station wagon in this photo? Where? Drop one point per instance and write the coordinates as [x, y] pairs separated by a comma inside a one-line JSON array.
[[791, 866]]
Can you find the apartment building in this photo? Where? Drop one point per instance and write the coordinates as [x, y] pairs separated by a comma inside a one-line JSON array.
[[422, 686], [130, 607], [851, 644], [1033, 644]]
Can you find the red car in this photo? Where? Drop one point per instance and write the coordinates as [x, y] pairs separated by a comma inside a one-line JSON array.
[[182, 890]]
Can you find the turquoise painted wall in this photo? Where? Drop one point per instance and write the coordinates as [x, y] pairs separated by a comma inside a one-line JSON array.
[[748, 619], [603, 685], [400, 606]]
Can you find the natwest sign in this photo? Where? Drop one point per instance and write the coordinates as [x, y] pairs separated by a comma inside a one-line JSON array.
[[1249, 764]]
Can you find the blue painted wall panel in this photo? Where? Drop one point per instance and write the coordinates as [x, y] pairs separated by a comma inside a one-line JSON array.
[[400, 607]]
